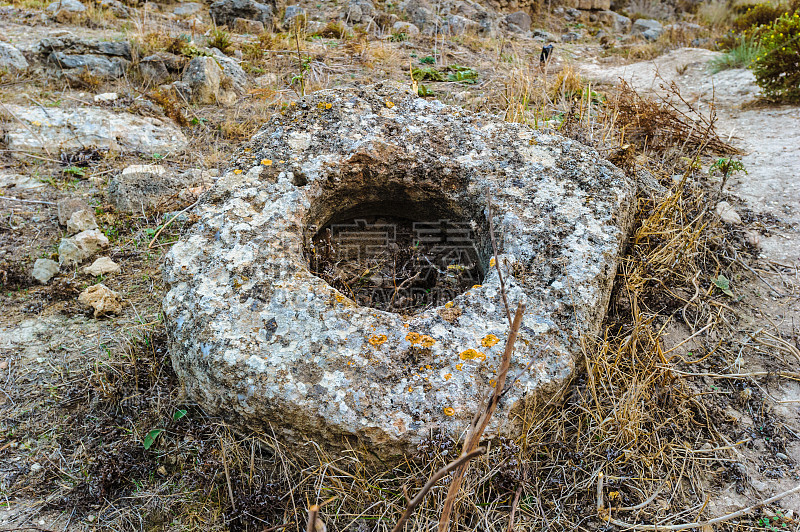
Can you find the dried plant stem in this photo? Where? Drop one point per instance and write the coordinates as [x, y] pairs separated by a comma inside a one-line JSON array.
[[170, 221], [496, 257], [514, 509], [416, 501], [710, 522], [313, 512], [481, 420], [227, 473]]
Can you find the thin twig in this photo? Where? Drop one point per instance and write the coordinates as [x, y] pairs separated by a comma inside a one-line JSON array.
[[227, 473], [514, 509], [416, 501], [170, 221], [9, 198], [496, 257]]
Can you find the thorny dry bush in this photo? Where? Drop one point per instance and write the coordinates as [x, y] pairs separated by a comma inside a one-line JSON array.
[[636, 411]]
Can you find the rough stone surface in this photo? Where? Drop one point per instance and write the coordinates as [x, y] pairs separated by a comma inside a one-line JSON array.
[[68, 206], [232, 71], [728, 214], [149, 187], [518, 22], [458, 25], [66, 6], [102, 299], [255, 335], [74, 250], [73, 57], [188, 9], [591, 4], [159, 67], [649, 29], [616, 22], [74, 129], [102, 266], [405, 27], [116, 7], [204, 77], [291, 13], [226, 11], [44, 270], [82, 220], [11, 59]]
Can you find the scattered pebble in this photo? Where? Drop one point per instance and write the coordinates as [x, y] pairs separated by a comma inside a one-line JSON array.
[[102, 299], [727, 213], [44, 270], [102, 266]]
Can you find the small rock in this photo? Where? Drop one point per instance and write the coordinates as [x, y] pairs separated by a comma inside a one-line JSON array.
[[82, 220], [91, 241], [146, 187], [406, 27], [226, 11], [102, 299], [119, 9], [781, 456], [204, 75], [648, 28], [458, 25], [36, 467], [356, 11], [232, 71], [571, 36], [248, 27], [74, 129], [727, 213], [11, 59], [99, 66], [292, 12], [44, 270], [616, 22], [66, 6], [68, 206], [188, 9], [102, 266], [105, 97], [519, 20], [753, 238], [70, 253], [158, 68]]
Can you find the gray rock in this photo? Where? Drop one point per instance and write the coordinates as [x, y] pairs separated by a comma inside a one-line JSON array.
[[356, 11], [159, 67], [257, 337], [458, 25], [728, 214], [421, 14], [292, 12], [77, 45], [11, 59], [405, 27], [544, 36], [232, 71], [226, 11], [69, 253], [66, 6], [571, 36], [204, 76], [143, 188], [102, 266], [91, 241], [68, 206], [119, 9], [44, 270], [81, 220], [188, 9], [616, 22], [99, 66], [102, 299], [518, 22], [648, 28], [74, 129]]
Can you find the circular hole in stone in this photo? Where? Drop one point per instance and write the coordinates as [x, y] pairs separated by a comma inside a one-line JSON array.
[[403, 255]]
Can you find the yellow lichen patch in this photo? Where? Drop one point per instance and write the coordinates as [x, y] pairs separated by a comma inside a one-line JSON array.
[[449, 304], [491, 262], [339, 298], [410, 389], [389, 104], [449, 411], [426, 341], [459, 366], [427, 366], [448, 376], [414, 338], [470, 354], [266, 162], [477, 286], [489, 340], [377, 339], [237, 171]]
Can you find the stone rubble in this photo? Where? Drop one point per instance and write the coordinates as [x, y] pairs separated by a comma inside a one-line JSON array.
[[44, 270], [102, 299]]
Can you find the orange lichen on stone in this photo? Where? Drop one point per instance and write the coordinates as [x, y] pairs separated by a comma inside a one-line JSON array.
[[449, 411], [377, 339], [448, 376], [237, 171], [449, 304], [489, 340], [426, 341], [389, 104], [414, 338], [491, 262], [471, 354], [477, 286], [266, 162], [459, 366]]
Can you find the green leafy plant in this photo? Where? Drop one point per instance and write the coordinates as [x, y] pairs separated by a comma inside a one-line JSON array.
[[151, 438], [423, 90], [724, 284], [777, 70], [427, 73], [74, 171], [220, 39], [727, 167], [427, 60], [462, 74]]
